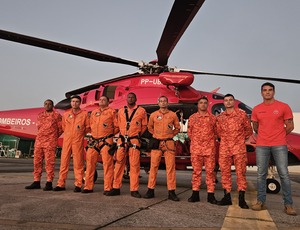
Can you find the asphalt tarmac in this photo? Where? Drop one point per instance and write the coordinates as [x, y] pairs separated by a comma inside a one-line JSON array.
[[38, 209]]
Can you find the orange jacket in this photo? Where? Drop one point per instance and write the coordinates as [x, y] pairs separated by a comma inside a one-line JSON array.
[[49, 127], [233, 129], [202, 133], [138, 124], [75, 126], [163, 125], [103, 122]]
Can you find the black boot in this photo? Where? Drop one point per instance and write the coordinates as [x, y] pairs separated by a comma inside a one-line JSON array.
[[58, 189], [106, 192], [48, 186], [135, 194], [211, 198], [77, 189], [195, 197], [172, 195], [114, 192], [34, 185], [242, 202], [226, 200], [149, 194]]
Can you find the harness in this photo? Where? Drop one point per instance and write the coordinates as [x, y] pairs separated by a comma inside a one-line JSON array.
[[126, 139], [165, 145], [94, 142]]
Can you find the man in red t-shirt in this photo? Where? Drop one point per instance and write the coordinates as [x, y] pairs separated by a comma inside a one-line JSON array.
[[272, 120]]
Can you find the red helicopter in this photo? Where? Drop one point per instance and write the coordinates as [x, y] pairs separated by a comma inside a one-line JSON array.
[[152, 80]]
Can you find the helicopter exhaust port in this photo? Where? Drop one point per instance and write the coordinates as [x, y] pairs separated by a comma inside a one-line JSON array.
[[176, 79]]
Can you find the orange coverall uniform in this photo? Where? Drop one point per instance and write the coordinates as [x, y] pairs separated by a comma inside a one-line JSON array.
[[233, 129], [202, 133], [137, 127], [102, 124], [75, 126], [163, 126], [49, 127]]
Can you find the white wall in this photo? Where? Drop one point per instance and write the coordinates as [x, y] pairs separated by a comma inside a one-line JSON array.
[[296, 122]]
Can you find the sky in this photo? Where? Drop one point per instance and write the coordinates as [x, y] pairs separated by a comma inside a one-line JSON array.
[[234, 36]]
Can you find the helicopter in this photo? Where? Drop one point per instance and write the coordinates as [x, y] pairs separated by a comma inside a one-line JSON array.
[[152, 80]]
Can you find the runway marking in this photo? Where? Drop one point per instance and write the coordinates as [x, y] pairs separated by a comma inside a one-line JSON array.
[[247, 218]]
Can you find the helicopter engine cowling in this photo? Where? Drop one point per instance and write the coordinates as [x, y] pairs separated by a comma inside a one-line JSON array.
[[176, 79]]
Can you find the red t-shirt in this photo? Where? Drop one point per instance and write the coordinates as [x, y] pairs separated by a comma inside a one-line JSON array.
[[270, 118]]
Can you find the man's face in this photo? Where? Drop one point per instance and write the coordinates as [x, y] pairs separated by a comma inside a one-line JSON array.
[[228, 102], [203, 105], [163, 102], [48, 106], [267, 92], [75, 103], [103, 102], [131, 99]]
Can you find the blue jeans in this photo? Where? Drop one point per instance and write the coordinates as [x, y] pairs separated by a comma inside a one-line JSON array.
[[280, 155]]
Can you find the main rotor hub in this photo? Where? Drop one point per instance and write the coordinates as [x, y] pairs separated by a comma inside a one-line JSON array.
[[176, 79]]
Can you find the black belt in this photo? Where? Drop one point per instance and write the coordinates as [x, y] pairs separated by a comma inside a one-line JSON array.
[[98, 140], [126, 140], [103, 138], [168, 139]]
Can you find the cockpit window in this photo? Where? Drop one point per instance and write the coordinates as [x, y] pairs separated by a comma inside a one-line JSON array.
[[109, 91], [246, 108], [217, 109], [218, 96]]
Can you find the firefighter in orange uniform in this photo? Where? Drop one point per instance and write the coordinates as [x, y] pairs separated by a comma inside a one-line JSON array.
[[103, 128], [132, 123], [49, 129], [163, 125], [75, 125], [202, 133], [233, 127]]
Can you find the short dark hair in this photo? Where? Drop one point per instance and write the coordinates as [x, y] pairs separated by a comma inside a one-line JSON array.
[[50, 101], [229, 95], [203, 98], [105, 97], [132, 94], [267, 84], [77, 97], [163, 97]]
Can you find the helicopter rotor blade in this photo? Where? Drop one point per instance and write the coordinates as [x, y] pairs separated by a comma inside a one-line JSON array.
[[242, 76], [181, 15], [41, 43]]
